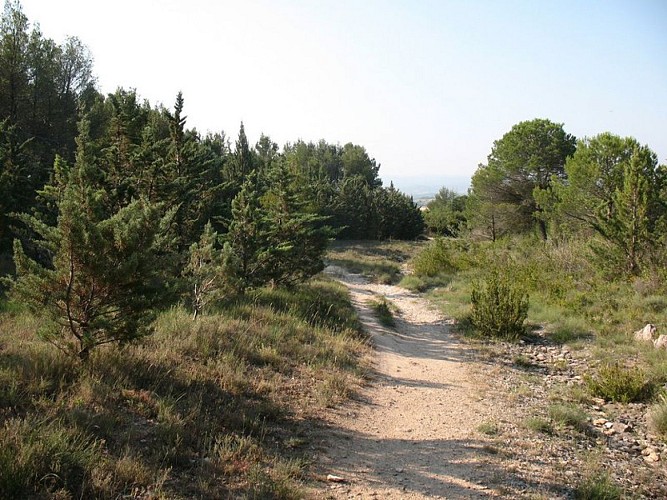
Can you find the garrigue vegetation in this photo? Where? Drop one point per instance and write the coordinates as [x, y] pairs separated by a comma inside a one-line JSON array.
[[580, 228], [119, 225], [115, 207]]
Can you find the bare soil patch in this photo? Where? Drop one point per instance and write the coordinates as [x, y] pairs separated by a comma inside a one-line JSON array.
[[412, 432]]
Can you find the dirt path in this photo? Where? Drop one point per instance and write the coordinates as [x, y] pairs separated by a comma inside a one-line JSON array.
[[412, 433]]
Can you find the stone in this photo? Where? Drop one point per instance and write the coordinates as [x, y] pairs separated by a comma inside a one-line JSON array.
[[661, 342], [599, 422], [646, 334], [621, 427], [335, 479]]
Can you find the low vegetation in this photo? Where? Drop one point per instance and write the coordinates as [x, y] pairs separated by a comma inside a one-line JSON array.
[[538, 424], [615, 382], [658, 417], [598, 487], [379, 261], [576, 302], [568, 415], [384, 311], [207, 408], [499, 307]]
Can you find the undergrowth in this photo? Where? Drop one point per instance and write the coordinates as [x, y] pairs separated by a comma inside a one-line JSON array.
[[598, 486], [575, 297], [658, 418], [201, 409]]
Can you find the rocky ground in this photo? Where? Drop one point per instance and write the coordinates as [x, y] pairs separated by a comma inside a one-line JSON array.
[[531, 378], [447, 418]]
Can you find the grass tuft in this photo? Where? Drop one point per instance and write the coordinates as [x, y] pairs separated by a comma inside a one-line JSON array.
[[538, 424], [598, 487], [615, 382], [568, 415], [488, 428], [384, 311]]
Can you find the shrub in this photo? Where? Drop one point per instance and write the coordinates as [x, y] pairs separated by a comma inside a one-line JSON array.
[[435, 259], [615, 382], [568, 415], [499, 308], [658, 417], [598, 487]]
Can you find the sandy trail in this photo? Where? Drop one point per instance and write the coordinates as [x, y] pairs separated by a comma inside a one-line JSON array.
[[412, 432]]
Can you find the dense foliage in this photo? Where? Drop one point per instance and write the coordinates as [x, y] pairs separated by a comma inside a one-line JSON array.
[[110, 199], [606, 189], [445, 214], [505, 193]]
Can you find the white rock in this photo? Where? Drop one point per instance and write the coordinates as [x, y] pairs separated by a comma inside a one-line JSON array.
[[335, 479], [646, 334], [660, 342]]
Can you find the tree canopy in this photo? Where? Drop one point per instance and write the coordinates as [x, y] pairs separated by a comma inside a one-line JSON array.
[[109, 199], [524, 162]]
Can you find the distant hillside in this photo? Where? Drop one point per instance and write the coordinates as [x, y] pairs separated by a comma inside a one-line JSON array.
[[423, 188]]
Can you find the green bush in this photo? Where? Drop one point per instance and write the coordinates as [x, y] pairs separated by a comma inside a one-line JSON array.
[[658, 417], [615, 382], [499, 307], [445, 256], [597, 487], [435, 259]]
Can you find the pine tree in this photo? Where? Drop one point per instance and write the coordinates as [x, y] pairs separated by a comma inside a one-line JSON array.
[[204, 270], [245, 249], [297, 238], [399, 216], [241, 163], [614, 189], [629, 225], [104, 277]]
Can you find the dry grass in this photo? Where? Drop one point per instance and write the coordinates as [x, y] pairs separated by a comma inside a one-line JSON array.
[[201, 409], [380, 261]]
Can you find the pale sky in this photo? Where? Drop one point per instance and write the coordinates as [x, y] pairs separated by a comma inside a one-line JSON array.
[[425, 86]]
